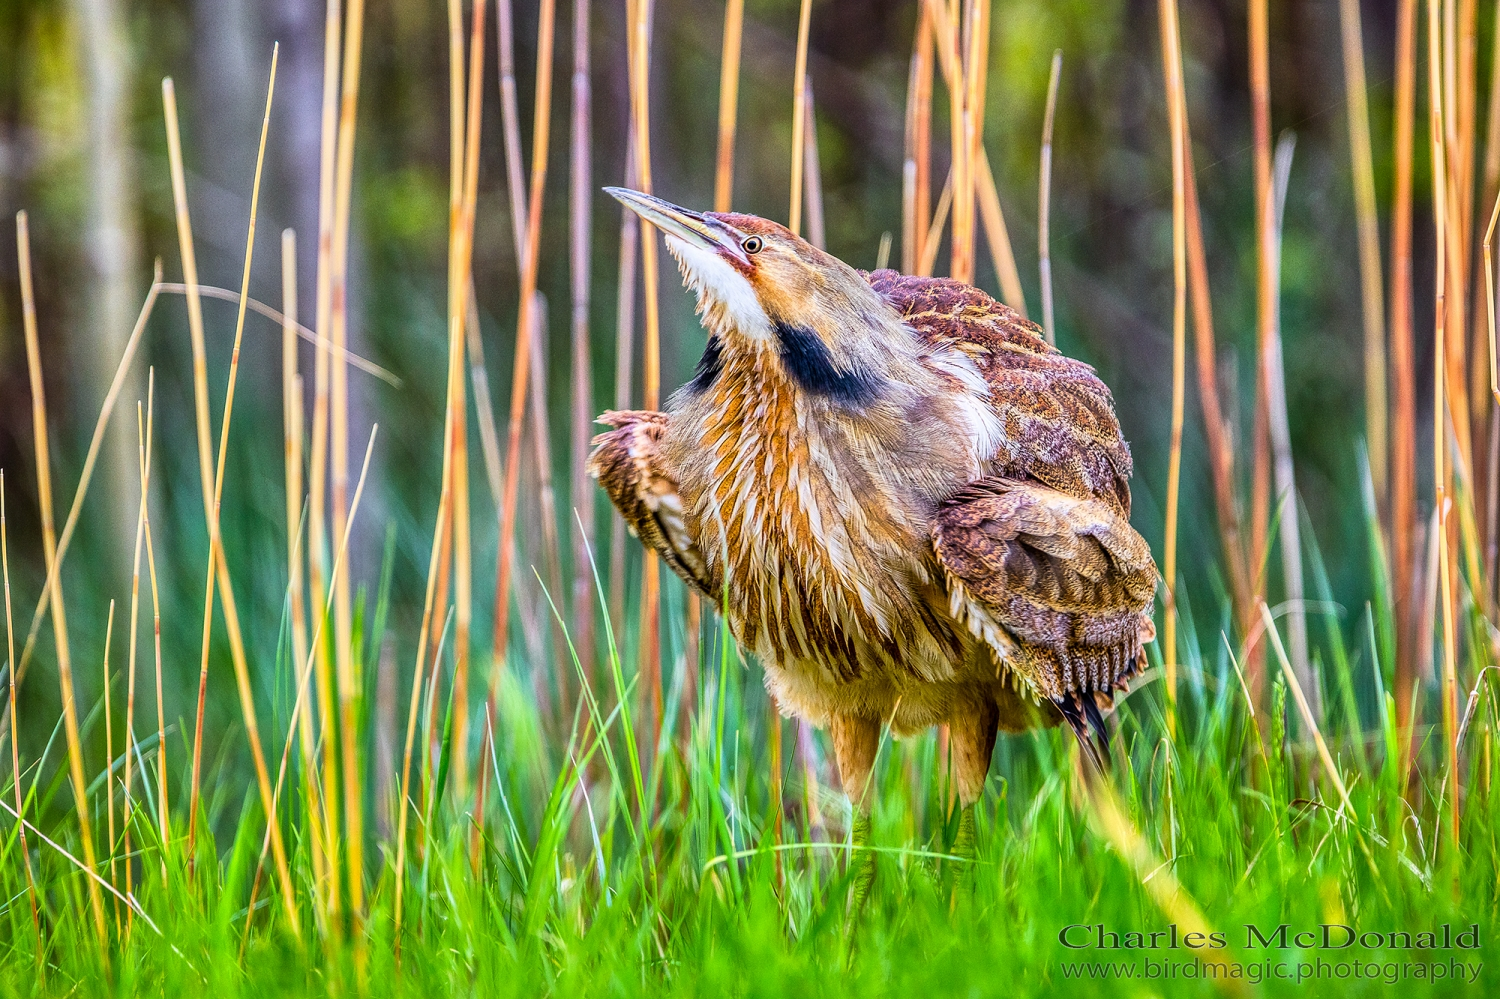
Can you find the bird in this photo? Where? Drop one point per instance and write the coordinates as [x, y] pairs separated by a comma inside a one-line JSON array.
[[910, 508]]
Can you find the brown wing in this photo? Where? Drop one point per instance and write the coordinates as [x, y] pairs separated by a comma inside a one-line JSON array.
[[1059, 586], [627, 462], [1058, 417]]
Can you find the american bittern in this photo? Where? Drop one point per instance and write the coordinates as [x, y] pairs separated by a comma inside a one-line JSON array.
[[911, 509]]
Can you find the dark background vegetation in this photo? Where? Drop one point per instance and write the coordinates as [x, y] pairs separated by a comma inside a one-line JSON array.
[[98, 221]]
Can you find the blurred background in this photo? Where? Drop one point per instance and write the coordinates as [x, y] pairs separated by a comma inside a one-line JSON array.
[[82, 147]]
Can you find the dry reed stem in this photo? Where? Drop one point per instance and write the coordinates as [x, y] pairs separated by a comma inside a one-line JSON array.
[[217, 567], [951, 59], [1490, 191], [1482, 295], [812, 167], [510, 117], [1403, 519], [1440, 196], [261, 308], [465, 152], [464, 567], [1044, 201], [190, 278], [729, 92], [204, 427], [519, 375], [639, 17], [934, 237], [988, 197], [1289, 531], [1265, 307], [909, 249], [1489, 297], [317, 492], [484, 407], [164, 825], [998, 237], [580, 272], [624, 366], [551, 543], [1177, 112], [799, 115], [15, 747], [515, 186], [91, 458], [976, 79], [292, 415], [109, 756], [923, 56], [344, 666], [1457, 141], [143, 470], [54, 586], [1371, 282], [135, 607]]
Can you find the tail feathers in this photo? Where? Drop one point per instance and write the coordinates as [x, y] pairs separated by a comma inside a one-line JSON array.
[[1081, 711]]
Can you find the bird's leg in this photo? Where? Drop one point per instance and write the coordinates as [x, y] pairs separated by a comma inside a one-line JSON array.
[[972, 734], [855, 741]]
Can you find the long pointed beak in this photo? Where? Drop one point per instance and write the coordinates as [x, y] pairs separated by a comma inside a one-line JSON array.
[[692, 228]]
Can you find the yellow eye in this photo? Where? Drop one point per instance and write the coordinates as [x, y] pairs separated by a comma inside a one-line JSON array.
[[752, 244]]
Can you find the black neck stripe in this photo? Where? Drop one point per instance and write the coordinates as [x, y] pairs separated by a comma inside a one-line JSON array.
[[812, 367], [709, 366]]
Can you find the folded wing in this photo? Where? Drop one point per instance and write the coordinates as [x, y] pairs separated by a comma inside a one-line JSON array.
[[1059, 586]]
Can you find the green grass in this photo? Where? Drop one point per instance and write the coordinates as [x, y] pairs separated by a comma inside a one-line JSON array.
[[607, 874]]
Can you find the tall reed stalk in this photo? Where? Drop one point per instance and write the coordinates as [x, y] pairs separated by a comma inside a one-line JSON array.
[[345, 669], [1377, 416], [729, 94], [1265, 318], [54, 586], [292, 416], [109, 756], [625, 289], [917, 172], [1044, 201], [218, 570], [1177, 115], [799, 116], [580, 272], [465, 116], [1403, 503], [639, 16], [317, 485], [1437, 143]]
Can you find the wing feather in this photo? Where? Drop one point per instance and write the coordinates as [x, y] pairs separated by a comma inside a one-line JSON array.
[[628, 463], [1060, 586]]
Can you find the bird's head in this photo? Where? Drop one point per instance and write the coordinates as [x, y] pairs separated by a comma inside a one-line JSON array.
[[762, 288]]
